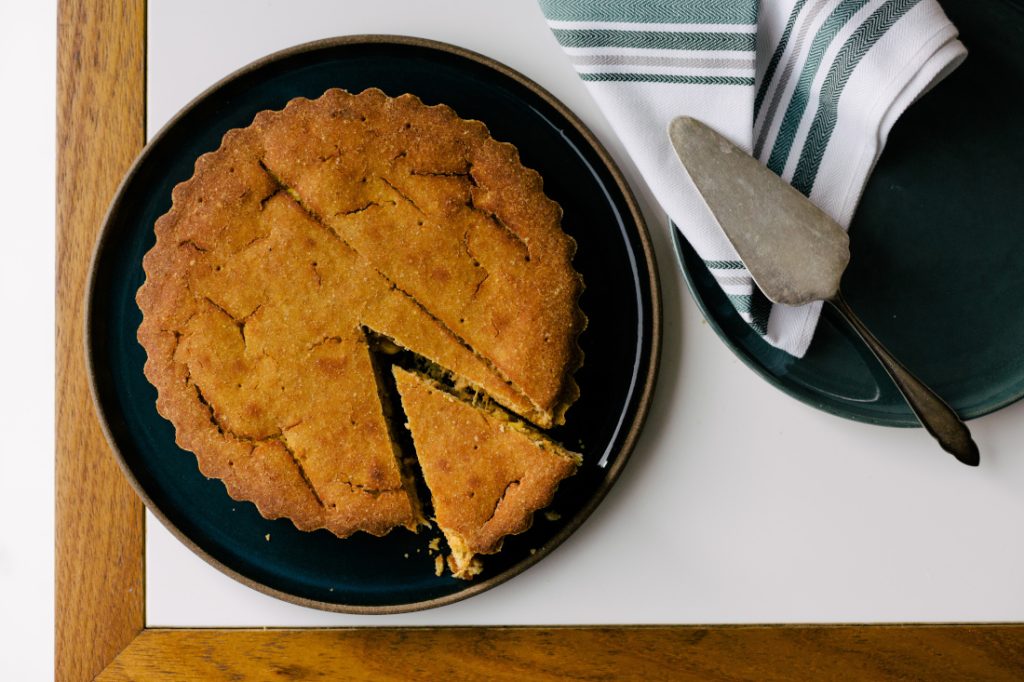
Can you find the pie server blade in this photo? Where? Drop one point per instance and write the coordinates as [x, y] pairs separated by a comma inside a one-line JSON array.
[[796, 254]]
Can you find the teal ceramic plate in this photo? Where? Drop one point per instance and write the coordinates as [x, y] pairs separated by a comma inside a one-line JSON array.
[[365, 574], [937, 266]]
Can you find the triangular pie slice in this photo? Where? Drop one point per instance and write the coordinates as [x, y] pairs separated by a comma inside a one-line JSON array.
[[487, 474]]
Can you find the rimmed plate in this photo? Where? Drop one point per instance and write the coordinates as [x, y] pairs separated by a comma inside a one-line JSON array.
[[937, 269], [364, 574]]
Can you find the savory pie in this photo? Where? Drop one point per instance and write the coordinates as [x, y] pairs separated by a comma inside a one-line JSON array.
[[316, 230]]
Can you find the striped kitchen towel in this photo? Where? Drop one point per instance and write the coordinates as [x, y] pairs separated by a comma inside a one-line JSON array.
[[810, 87]]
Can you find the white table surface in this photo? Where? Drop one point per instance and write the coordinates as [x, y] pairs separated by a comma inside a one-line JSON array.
[[739, 504], [28, 62]]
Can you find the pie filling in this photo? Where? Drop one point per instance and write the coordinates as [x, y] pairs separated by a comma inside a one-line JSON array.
[[458, 387], [463, 562]]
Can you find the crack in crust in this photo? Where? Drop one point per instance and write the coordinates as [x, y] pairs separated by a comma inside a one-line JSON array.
[[444, 174], [238, 322], [266, 199], [372, 492], [278, 437], [219, 425], [322, 341], [476, 263], [400, 193], [496, 220], [301, 469], [193, 244], [513, 484], [354, 211]]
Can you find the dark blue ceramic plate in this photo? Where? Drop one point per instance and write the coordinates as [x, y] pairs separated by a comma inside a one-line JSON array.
[[363, 573], [937, 264]]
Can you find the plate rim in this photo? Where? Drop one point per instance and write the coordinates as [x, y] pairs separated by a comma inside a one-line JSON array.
[[649, 378], [908, 421]]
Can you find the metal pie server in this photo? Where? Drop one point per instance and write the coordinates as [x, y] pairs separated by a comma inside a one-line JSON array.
[[796, 254]]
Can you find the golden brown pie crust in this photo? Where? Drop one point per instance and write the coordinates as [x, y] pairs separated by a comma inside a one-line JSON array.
[[314, 224]]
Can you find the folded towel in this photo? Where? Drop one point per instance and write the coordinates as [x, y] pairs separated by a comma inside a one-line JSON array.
[[810, 87]]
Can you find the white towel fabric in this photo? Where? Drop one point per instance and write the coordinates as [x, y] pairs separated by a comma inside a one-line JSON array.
[[810, 87]]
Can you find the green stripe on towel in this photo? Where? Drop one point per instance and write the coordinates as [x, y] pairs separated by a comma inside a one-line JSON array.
[[802, 94], [662, 40], [652, 11], [665, 78], [862, 40], [760, 310], [776, 56], [723, 264], [740, 301]]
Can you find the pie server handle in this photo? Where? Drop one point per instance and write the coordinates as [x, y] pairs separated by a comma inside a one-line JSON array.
[[935, 415]]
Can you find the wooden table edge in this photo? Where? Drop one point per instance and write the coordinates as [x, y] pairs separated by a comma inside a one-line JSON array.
[[99, 587]]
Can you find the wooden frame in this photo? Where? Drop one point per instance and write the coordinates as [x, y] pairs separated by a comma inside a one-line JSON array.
[[100, 590]]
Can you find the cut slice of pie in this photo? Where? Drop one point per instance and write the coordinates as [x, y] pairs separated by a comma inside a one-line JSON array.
[[487, 474]]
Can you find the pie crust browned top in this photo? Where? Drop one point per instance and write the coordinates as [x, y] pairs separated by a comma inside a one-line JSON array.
[[309, 230]]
